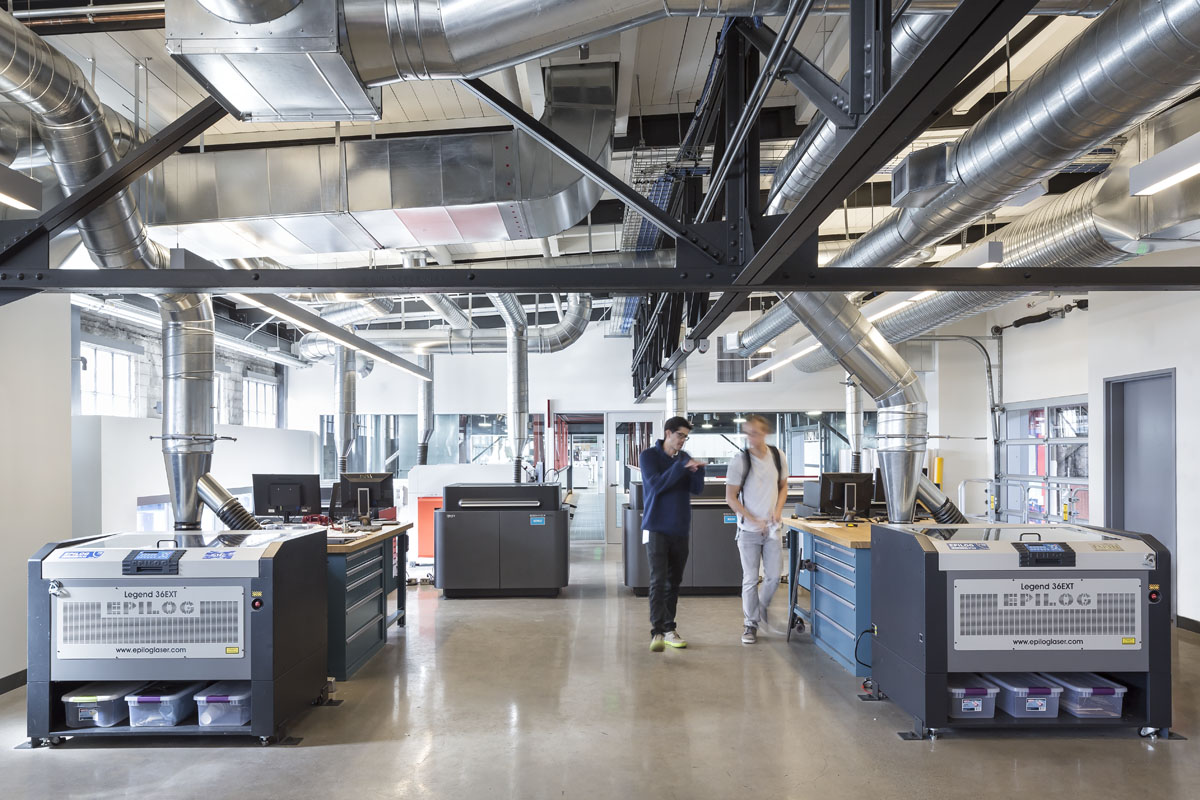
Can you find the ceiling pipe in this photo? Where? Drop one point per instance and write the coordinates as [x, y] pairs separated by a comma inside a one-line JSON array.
[[448, 310], [249, 11], [1140, 57], [542, 339], [71, 123], [395, 40], [1096, 224], [676, 392]]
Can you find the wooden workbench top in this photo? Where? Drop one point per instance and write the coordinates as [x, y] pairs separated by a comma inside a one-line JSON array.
[[354, 545], [856, 538]]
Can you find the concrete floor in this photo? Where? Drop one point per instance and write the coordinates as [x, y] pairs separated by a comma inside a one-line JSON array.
[[561, 698]]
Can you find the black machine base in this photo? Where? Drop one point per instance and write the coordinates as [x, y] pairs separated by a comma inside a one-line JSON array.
[[465, 594]]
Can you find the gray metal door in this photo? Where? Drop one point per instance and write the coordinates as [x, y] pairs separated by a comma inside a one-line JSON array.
[[1140, 459]]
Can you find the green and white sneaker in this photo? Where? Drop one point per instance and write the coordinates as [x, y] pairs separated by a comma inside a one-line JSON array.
[[672, 638], [656, 643]]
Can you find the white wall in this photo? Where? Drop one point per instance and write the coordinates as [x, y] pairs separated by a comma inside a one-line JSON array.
[[1046, 360], [1138, 332], [121, 463], [591, 375], [1122, 333], [35, 462], [958, 408]]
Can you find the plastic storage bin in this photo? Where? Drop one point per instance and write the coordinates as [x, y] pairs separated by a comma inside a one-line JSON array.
[[1086, 694], [972, 697], [162, 705], [99, 705], [1026, 694], [225, 703]]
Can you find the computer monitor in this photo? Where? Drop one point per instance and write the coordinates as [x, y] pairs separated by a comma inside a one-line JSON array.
[[287, 495], [363, 494], [834, 493], [880, 493]]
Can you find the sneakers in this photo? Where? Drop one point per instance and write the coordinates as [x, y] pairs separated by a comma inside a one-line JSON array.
[[749, 635], [657, 643], [672, 638]]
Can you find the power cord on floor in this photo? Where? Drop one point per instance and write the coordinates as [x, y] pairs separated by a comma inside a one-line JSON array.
[[870, 630]]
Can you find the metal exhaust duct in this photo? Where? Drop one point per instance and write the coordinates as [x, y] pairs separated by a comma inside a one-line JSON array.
[[676, 392], [854, 423], [72, 126], [345, 392], [517, 347], [448, 310], [425, 416], [541, 339]]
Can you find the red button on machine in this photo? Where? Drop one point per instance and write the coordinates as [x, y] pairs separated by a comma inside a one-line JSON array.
[[256, 603]]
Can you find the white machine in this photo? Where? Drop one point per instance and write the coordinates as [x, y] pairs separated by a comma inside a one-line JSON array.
[[180, 606]]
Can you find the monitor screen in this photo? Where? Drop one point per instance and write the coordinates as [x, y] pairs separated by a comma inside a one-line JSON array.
[[362, 493], [284, 495]]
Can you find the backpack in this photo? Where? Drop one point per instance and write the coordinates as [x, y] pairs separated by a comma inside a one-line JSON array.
[[749, 462]]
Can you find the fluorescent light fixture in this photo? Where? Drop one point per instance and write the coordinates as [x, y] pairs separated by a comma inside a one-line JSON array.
[[739, 419], [889, 310], [304, 319], [706, 425], [1027, 195], [983, 255], [485, 424], [779, 359], [19, 191], [1165, 169], [814, 413], [151, 321]]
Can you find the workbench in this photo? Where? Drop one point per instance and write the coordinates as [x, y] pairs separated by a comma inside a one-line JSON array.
[[362, 573], [832, 560]]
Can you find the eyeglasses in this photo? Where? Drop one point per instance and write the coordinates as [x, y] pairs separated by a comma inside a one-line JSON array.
[[680, 435]]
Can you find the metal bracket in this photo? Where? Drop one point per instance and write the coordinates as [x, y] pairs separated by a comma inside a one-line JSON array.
[[816, 84]]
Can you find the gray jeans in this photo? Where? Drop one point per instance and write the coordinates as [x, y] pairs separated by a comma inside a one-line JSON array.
[[759, 548]]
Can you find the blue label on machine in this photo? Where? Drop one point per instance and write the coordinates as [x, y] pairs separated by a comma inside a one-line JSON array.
[[82, 554], [226, 554], [967, 546], [731, 519], [537, 520]]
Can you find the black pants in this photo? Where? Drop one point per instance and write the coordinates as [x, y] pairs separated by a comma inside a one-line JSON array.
[[668, 556]]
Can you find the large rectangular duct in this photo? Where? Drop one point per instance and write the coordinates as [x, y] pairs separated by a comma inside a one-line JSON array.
[[292, 68]]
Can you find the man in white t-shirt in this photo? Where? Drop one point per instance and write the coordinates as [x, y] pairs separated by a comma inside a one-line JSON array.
[[756, 488]]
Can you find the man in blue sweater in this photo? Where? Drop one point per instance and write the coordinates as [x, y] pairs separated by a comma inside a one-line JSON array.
[[669, 475]]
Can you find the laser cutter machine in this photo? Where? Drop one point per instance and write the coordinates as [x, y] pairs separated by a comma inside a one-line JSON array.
[[179, 606], [1010, 598]]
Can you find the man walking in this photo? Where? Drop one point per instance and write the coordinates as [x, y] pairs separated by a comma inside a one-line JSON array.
[[756, 488], [669, 475]]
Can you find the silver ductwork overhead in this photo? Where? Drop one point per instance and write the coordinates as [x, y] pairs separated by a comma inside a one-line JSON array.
[[403, 193], [1095, 224], [448, 310], [541, 338], [1137, 59], [72, 126], [327, 60]]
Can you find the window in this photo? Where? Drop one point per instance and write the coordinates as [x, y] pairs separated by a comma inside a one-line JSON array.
[[260, 403], [220, 401], [1045, 463], [106, 381], [732, 368]]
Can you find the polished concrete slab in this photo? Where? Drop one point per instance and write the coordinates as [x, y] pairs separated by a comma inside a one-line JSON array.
[[562, 698]]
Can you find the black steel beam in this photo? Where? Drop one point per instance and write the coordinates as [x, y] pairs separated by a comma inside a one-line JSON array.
[[577, 158], [815, 83], [631, 280], [916, 98], [107, 184]]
